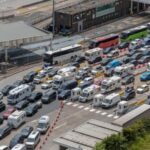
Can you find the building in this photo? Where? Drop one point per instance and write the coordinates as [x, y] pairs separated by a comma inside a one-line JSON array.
[[89, 13]]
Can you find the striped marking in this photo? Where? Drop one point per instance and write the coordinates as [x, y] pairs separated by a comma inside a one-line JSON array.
[[87, 108], [75, 105], [80, 107], [92, 110], [116, 117], [110, 115], [97, 112], [69, 103], [104, 113]]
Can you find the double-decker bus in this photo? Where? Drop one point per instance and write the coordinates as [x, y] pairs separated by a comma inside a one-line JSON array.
[[134, 33], [105, 41], [62, 55]]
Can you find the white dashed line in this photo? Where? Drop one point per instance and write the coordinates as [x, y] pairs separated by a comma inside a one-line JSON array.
[[69, 103], [104, 113], [75, 105], [110, 115], [87, 108], [80, 107], [92, 110], [97, 112], [115, 117], [64, 101]]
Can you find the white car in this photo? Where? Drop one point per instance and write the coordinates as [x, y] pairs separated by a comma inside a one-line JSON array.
[[113, 53], [142, 89], [47, 85], [97, 69], [4, 147], [1, 95]]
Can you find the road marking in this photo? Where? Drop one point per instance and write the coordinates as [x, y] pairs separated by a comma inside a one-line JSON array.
[[104, 113], [69, 103], [87, 108], [65, 123], [115, 117], [75, 105], [110, 115], [64, 101], [34, 121], [92, 110], [97, 112], [80, 107]]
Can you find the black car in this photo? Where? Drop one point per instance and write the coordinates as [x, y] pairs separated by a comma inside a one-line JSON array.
[[81, 75], [136, 56], [124, 45], [49, 97], [2, 106], [126, 59], [26, 131], [4, 131], [6, 89], [75, 64], [64, 95], [131, 53], [129, 94], [53, 72], [96, 60], [35, 96], [84, 85], [128, 79], [105, 61], [1, 120], [17, 139], [22, 104], [29, 77], [144, 59], [108, 50], [79, 59], [31, 109], [18, 82], [134, 62]]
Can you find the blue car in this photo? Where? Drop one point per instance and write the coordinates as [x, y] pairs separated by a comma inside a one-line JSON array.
[[145, 76]]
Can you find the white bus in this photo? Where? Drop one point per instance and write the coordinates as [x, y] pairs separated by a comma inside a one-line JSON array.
[[63, 54]]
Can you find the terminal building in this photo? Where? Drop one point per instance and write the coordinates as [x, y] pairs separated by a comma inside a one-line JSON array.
[[90, 13]]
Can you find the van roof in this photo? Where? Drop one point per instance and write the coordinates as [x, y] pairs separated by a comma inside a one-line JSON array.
[[112, 95], [16, 114]]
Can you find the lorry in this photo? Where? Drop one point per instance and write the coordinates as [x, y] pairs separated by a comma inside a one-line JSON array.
[[88, 93], [110, 84], [124, 70], [111, 100]]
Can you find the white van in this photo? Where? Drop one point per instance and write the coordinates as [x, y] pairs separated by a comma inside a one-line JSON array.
[[19, 93], [19, 147], [43, 124], [17, 118], [33, 140]]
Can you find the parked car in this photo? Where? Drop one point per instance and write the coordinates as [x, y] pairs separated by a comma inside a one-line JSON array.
[[105, 61], [9, 111], [145, 76], [1, 120], [75, 64], [22, 104], [128, 79], [136, 56], [29, 77], [134, 62], [31, 109], [142, 89], [81, 75], [123, 45], [49, 97], [53, 72], [1, 95], [129, 94], [35, 96], [114, 53], [79, 59], [4, 147], [39, 104], [32, 85], [144, 59], [47, 84], [126, 59], [2, 106], [26, 131], [39, 78], [6, 89], [64, 95], [96, 60], [17, 139], [4, 131], [17, 83], [108, 50]]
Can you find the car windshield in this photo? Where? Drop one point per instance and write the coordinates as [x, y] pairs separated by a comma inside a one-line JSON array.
[[57, 82], [11, 96], [118, 73], [30, 140], [41, 125], [85, 94]]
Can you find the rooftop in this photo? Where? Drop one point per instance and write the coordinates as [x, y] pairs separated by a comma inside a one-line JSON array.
[[83, 6]]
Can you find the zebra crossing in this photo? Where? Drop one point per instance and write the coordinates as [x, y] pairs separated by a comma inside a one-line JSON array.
[[92, 110]]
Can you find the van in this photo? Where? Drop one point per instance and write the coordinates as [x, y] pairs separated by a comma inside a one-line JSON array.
[[43, 124], [69, 85], [33, 140], [19, 147], [17, 118]]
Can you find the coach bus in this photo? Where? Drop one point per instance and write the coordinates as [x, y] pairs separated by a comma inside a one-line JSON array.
[[62, 55], [134, 33], [105, 41]]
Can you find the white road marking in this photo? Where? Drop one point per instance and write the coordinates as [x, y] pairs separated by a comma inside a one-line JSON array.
[[64, 101], [80, 107], [75, 105], [69, 103], [104, 113], [110, 115], [34, 121], [115, 117], [60, 125], [97, 112], [92, 110], [87, 108]]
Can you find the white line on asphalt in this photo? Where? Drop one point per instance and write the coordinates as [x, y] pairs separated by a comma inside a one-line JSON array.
[[80, 107], [65, 123], [34, 121], [64, 101], [110, 115], [69, 103], [104, 113], [87, 108], [115, 117], [75, 105], [92, 110], [97, 112]]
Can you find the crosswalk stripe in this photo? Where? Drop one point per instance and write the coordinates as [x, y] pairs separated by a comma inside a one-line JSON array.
[[87, 108], [97, 112], [92, 110], [104, 113], [69, 103], [80, 107], [115, 117], [110, 115], [75, 105], [64, 101]]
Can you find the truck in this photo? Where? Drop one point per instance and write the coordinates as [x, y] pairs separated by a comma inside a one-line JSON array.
[[122, 71], [111, 100], [89, 92], [110, 84]]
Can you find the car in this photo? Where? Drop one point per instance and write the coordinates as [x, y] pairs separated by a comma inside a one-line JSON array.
[[4, 147], [29, 77], [31, 109], [17, 83], [123, 45], [47, 85], [146, 53], [114, 53], [9, 111], [22, 104], [4, 131], [26, 131], [35, 96], [32, 85], [97, 70], [75, 64], [6, 89], [79, 59], [53, 72], [1, 95], [1, 120], [39, 104], [49, 96], [39, 78], [81, 75], [64, 95], [142, 89], [17, 139], [136, 56], [107, 50], [96, 60], [2, 106], [83, 85], [131, 53], [126, 59], [145, 76], [105, 61], [134, 62], [144, 59], [128, 79], [129, 94]]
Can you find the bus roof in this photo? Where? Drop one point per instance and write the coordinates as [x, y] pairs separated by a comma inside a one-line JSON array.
[[105, 37]]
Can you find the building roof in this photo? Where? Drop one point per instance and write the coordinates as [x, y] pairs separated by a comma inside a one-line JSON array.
[[18, 30], [83, 6], [87, 135]]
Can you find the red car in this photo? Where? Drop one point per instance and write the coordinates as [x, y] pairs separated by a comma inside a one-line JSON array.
[[9, 111]]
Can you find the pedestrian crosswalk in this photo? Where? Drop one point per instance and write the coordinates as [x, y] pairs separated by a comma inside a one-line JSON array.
[[92, 110]]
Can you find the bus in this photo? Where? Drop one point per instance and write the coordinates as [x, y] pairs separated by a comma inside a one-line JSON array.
[[62, 55], [134, 33], [105, 41]]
